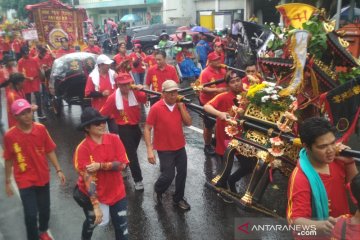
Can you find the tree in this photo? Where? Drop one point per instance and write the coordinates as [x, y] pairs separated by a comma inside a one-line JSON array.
[[19, 6]]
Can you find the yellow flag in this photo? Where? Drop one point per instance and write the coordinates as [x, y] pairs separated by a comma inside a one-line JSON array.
[[295, 14]]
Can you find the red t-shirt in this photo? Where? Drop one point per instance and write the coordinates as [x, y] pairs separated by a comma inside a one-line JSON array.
[[105, 84], [245, 83], [28, 151], [47, 60], [299, 192], [352, 231], [61, 52], [93, 49], [222, 102], [150, 60], [134, 57], [109, 184], [16, 45], [168, 127], [155, 76], [30, 68], [128, 116], [211, 74], [118, 58], [11, 96]]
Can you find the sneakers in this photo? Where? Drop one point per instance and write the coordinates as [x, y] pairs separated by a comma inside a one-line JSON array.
[[209, 150], [139, 186], [45, 236], [183, 204], [157, 198]]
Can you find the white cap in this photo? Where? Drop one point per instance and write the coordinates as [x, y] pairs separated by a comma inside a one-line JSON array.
[[103, 59]]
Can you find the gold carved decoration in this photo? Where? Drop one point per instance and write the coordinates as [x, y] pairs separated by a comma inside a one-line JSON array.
[[257, 137], [325, 68], [254, 112]]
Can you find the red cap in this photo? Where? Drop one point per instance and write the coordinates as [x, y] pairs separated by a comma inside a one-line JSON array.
[[213, 56], [19, 106], [219, 44], [124, 78], [137, 45]]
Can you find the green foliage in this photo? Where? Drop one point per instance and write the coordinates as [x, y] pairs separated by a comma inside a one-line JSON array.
[[346, 76], [317, 45]]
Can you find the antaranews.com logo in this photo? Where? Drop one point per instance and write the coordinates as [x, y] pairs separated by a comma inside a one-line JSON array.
[[258, 228]]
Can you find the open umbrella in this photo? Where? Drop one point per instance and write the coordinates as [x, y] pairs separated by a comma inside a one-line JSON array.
[[130, 18], [200, 29]]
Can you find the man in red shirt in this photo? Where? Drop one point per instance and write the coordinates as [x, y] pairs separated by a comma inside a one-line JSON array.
[[100, 189], [27, 146], [92, 48], [316, 190], [45, 61], [121, 56], [138, 68], [124, 105], [16, 45], [252, 77], [219, 50], [211, 73], [221, 107], [167, 117], [159, 73], [65, 48], [31, 70]]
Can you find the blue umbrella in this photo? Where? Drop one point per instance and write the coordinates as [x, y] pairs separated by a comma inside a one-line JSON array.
[[130, 18], [200, 29]]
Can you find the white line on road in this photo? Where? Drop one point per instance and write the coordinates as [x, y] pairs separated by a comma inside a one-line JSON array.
[[196, 129]]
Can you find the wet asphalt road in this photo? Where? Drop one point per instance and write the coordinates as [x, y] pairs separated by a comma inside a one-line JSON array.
[[209, 217]]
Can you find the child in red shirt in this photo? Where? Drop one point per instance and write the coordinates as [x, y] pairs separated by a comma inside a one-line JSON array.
[[100, 189], [27, 146]]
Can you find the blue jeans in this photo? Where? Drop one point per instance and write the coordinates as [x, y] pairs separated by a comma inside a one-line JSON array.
[[36, 200], [118, 214], [139, 78]]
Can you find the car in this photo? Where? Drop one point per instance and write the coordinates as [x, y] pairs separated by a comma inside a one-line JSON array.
[[149, 36], [129, 33]]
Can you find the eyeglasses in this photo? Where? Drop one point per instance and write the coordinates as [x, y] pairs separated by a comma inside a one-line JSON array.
[[98, 123]]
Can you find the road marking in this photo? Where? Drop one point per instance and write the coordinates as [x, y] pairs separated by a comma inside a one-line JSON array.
[[196, 129], [14, 186]]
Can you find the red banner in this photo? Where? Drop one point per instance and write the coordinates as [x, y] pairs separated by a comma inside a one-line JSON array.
[[54, 20]]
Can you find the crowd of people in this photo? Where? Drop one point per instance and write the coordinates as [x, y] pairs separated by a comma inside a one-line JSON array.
[[317, 187]]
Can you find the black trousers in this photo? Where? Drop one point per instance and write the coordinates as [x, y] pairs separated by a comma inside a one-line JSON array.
[[36, 201], [245, 168], [169, 161], [130, 136], [38, 101]]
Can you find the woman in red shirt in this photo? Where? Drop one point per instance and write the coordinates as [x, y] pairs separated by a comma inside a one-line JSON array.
[[138, 69], [125, 106], [100, 189], [14, 92]]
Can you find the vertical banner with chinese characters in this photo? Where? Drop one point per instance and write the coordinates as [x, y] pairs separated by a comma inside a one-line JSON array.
[[55, 23], [342, 105]]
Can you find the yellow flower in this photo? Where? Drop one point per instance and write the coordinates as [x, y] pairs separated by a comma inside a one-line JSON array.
[[254, 89]]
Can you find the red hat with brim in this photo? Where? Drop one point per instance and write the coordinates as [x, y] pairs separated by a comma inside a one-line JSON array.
[[124, 78], [213, 57], [219, 44]]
